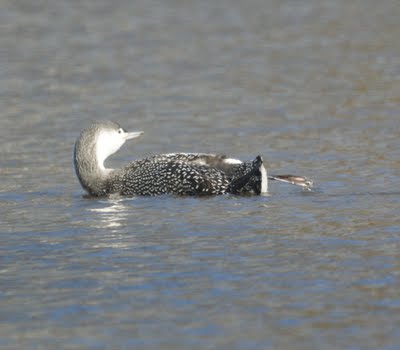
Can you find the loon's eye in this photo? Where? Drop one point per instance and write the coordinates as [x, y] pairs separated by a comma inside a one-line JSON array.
[[120, 131]]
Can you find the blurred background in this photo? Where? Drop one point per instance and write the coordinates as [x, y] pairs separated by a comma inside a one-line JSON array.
[[312, 86]]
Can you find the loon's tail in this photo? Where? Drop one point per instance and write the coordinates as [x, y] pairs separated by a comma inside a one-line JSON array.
[[255, 180]]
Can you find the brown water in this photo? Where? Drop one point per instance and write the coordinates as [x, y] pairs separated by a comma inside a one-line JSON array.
[[312, 86]]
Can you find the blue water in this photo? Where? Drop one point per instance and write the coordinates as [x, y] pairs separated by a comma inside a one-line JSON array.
[[311, 86]]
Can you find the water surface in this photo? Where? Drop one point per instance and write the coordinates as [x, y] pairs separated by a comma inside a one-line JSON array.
[[312, 86]]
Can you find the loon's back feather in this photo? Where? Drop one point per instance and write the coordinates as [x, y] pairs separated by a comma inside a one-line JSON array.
[[186, 174], [230, 166]]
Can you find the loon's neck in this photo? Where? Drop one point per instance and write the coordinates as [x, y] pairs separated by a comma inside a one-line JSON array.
[[90, 169]]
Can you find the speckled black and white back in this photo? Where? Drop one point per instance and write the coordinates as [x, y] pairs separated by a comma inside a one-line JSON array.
[[187, 174]]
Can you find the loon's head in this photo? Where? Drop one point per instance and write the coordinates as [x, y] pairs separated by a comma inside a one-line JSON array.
[[109, 137], [99, 141]]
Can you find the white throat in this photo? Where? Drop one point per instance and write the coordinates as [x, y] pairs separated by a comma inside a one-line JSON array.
[[106, 145]]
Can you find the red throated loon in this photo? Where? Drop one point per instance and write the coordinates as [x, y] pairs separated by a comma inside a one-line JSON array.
[[173, 173]]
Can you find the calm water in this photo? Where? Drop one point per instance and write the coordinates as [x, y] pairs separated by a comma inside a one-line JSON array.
[[313, 86]]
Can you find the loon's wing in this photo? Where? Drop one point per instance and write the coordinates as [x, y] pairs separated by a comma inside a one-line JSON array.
[[170, 174], [209, 159], [230, 166], [243, 176]]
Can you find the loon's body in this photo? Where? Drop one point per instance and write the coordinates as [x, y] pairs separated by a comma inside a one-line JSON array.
[[173, 173]]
